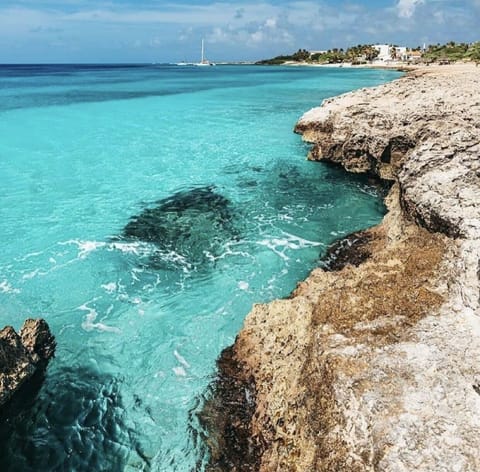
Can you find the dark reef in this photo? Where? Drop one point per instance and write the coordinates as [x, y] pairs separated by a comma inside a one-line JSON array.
[[190, 227]]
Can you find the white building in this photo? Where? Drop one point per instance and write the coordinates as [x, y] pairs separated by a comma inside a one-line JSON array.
[[385, 52], [401, 53]]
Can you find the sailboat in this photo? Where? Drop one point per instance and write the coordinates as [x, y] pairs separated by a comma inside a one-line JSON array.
[[204, 62]]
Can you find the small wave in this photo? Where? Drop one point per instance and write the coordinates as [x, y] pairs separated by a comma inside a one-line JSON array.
[[85, 247]]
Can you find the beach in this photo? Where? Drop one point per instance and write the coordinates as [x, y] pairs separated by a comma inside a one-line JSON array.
[[371, 363]]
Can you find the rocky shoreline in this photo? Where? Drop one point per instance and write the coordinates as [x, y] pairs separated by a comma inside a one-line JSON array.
[[23, 355], [372, 362]]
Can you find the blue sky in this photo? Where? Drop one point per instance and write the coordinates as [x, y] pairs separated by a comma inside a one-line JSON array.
[[163, 31]]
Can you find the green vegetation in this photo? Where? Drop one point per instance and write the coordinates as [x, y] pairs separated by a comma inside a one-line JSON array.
[[332, 56], [355, 54], [302, 55], [364, 53], [361, 53], [446, 52], [473, 53]]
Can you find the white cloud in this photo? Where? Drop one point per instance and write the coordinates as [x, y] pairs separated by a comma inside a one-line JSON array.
[[236, 29], [271, 23], [253, 34], [406, 8]]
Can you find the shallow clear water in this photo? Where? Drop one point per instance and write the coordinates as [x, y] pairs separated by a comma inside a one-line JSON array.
[[139, 321]]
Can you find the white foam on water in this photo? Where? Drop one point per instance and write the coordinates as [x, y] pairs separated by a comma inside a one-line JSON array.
[[5, 287], [128, 248], [89, 323], [110, 287], [229, 251], [32, 274], [300, 242], [84, 247], [242, 285], [134, 273], [87, 247], [290, 242], [181, 359], [272, 245], [30, 255], [179, 371]]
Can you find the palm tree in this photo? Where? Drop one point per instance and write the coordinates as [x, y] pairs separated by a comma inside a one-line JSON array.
[[393, 52]]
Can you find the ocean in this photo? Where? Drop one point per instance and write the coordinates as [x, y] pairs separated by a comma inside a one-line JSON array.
[[144, 209]]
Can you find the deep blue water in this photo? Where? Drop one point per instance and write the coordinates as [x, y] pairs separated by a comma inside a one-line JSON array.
[[144, 209]]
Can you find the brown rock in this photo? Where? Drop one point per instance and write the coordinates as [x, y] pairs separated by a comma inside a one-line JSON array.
[[22, 355]]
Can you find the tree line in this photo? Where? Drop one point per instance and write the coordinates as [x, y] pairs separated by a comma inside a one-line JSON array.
[[364, 53]]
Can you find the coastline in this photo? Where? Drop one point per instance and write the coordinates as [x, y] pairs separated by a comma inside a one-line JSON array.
[[394, 65], [371, 366]]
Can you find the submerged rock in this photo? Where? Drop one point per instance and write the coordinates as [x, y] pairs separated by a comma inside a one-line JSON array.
[[22, 355], [189, 228]]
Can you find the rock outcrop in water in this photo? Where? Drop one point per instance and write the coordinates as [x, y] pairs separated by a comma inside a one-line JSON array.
[[374, 365], [23, 355], [190, 227]]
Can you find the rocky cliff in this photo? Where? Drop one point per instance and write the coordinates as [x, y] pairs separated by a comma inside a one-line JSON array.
[[373, 364], [22, 355]]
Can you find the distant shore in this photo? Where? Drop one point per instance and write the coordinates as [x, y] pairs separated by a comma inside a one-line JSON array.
[[394, 65]]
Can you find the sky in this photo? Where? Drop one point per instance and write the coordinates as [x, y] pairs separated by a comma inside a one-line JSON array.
[[75, 31]]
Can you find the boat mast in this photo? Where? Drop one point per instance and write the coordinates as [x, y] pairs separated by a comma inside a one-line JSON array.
[[203, 59]]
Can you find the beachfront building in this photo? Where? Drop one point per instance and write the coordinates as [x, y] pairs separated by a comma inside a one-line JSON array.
[[414, 56], [383, 52], [401, 53], [387, 53]]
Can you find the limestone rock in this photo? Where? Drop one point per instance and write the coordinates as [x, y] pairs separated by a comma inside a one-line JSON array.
[[372, 363], [421, 130]]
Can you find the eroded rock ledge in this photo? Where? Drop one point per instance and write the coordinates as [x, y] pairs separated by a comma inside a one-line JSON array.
[[374, 366], [22, 355]]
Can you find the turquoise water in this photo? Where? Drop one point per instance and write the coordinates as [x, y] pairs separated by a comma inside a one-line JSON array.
[[144, 209]]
